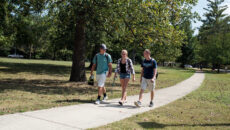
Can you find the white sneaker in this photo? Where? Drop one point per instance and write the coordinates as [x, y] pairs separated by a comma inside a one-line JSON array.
[[97, 102], [105, 98]]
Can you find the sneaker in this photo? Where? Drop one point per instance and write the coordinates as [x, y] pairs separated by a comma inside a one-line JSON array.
[[97, 102], [151, 104], [137, 103], [105, 98]]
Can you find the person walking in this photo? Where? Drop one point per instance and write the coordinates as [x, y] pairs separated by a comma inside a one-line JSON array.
[[102, 62], [148, 77], [124, 69]]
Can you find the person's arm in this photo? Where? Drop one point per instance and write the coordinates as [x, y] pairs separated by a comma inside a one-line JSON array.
[[142, 73], [134, 78], [110, 69], [110, 66], [94, 65], [132, 70], [154, 71], [93, 68]]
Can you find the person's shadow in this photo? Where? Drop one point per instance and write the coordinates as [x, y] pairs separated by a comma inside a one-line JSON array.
[[148, 125], [116, 105]]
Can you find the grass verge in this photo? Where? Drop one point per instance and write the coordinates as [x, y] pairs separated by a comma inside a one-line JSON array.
[[206, 108]]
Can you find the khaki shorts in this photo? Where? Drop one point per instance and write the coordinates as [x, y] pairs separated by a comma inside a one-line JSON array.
[[148, 83], [101, 78]]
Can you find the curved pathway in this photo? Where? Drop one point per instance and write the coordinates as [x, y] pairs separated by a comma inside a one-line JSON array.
[[85, 116]]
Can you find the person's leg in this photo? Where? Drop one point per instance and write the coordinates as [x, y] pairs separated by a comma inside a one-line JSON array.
[[151, 86], [141, 94], [100, 90], [152, 89], [100, 82], [126, 81], [102, 85], [122, 88], [143, 87], [152, 95], [104, 91]]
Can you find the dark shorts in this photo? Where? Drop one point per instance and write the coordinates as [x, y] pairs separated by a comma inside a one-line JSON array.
[[124, 76]]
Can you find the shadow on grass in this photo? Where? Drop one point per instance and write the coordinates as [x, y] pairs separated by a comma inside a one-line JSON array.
[[35, 68], [148, 125], [49, 87]]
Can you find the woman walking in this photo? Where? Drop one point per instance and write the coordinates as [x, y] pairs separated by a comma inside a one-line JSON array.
[[124, 69]]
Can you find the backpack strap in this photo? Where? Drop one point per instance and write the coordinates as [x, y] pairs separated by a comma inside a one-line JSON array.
[[152, 59], [96, 58], [106, 55]]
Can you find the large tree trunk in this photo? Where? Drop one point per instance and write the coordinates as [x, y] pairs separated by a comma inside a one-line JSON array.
[[95, 50], [78, 65]]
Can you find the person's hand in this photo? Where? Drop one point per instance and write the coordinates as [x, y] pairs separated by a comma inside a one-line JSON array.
[[153, 80], [109, 75], [134, 79]]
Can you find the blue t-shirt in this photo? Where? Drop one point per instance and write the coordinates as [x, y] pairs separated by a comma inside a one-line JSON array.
[[102, 63], [148, 66]]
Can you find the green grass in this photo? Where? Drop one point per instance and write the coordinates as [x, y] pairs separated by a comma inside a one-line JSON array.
[[27, 85], [206, 108]]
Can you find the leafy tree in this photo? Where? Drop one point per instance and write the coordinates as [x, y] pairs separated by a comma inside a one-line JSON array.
[[213, 35]]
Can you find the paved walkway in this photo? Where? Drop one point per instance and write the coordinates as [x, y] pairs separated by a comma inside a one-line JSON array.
[[85, 116]]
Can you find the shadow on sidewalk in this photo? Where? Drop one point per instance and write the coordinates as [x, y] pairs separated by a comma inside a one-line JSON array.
[[74, 100], [116, 105]]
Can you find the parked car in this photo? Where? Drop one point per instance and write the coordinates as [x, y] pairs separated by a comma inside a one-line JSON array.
[[187, 66], [16, 56]]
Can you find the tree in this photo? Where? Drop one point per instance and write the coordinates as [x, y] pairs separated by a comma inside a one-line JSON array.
[[52, 29], [213, 35]]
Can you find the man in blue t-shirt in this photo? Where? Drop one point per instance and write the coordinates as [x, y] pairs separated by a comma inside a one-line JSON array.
[[103, 63], [148, 77]]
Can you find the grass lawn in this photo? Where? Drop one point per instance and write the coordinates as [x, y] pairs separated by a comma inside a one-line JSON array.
[[27, 85], [206, 108]]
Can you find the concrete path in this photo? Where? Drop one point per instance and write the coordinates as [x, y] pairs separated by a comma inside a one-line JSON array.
[[85, 116]]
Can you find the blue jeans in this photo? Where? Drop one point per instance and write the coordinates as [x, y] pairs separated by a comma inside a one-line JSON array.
[[124, 76]]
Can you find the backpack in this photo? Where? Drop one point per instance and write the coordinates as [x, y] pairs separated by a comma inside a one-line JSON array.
[[107, 58], [152, 64]]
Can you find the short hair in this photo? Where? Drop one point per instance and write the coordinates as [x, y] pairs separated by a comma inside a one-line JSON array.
[[148, 51]]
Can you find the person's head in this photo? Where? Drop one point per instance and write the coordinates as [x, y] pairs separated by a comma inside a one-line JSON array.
[[103, 48], [124, 53], [147, 53]]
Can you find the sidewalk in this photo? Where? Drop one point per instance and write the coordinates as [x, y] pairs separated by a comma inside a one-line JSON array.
[[85, 116]]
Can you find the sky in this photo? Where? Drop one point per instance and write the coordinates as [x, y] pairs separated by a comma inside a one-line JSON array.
[[199, 9]]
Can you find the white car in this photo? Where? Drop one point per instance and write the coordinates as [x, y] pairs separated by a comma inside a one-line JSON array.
[[15, 56], [188, 66]]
